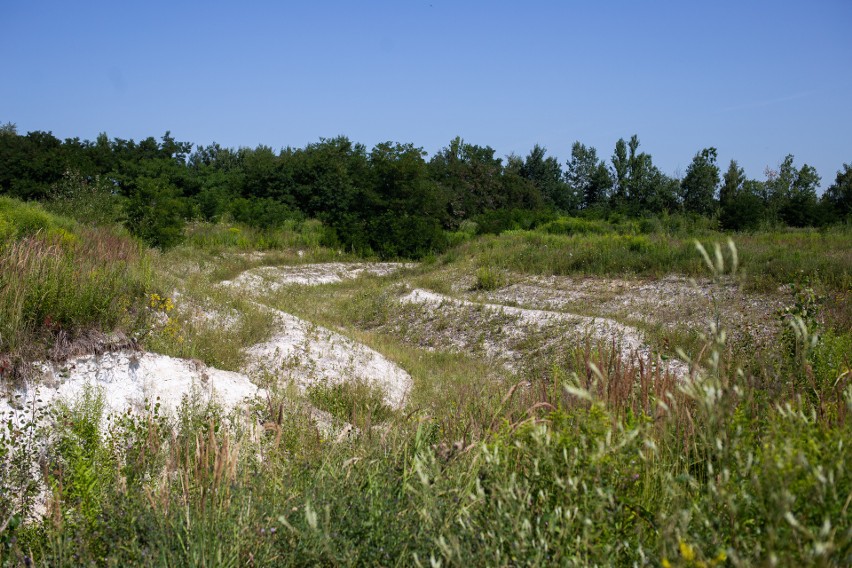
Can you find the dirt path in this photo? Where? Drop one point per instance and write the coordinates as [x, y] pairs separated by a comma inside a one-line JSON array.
[[628, 338], [272, 278]]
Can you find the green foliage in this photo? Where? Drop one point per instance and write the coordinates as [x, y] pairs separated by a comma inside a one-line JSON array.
[[576, 226], [81, 466], [217, 237], [499, 220], [839, 194], [19, 220], [742, 208], [153, 213], [89, 201], [488, 279], [698, 188], [358, 403], [262, 213], [55, 278], [545, 173], [389, 201], [589, 177]]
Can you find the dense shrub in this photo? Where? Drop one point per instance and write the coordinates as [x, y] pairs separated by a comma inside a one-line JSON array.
[[154, 213], [499, 220]]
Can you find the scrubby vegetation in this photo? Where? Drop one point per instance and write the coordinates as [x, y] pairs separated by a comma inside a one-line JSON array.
[[60, 281], [576, 456]]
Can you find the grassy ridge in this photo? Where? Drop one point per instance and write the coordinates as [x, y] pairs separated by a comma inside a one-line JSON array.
[[769, 259], [57, 277]]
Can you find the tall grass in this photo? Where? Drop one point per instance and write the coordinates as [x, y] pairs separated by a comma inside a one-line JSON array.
[[770, 259], [604, 467], [54, 281]]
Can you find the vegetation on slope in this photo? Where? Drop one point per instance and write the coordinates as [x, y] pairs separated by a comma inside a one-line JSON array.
[[60, 281], [592, 461]]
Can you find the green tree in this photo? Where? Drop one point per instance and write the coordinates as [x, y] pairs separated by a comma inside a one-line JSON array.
[[9, 129], [153, 212], [330, 177], [620, 167], [30, 164], [778, 187], [801, 208], [545, 173], [790, 193], [584, 175], [402, 210], [743, 207], [839, 194], [732, 183], [520, 192], [470, 176], [698, 188]]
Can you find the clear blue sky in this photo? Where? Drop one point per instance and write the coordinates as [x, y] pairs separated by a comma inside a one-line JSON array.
[[757, 80]]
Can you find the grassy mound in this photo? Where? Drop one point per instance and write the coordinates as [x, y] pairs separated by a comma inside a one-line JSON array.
[[59, 278]]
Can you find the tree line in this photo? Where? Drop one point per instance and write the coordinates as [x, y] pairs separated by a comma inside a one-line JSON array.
[[392, 200]]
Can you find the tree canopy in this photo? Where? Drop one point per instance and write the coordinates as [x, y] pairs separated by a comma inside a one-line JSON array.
[[394, 200]]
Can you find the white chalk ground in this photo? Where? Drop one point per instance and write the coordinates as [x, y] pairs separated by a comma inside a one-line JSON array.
[[299, 351], [309, 354], [272, 278], [628, 338], [128, 379]]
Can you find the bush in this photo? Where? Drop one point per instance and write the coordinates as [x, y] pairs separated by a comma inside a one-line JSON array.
[[153, 213], [575, 226], [19, 219], [497, 221], [87, 200], [265, 213], [488, 279]]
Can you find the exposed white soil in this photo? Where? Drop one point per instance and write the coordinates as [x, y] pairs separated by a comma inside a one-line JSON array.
[[308, 354], [206, 313], [513, 324], [129, 379], [672, 302], [299, 352], [272, 278]]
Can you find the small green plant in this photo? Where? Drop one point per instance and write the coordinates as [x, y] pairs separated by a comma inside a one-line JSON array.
[[358, 403], [488, 279]]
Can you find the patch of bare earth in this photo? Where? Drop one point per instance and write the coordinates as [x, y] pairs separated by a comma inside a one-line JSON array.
[[673, 302], [272, 278], [305, 354], [299, 351], [509, 333]]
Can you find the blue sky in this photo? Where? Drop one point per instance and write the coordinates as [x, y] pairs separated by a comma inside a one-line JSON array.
[[757, 80]]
